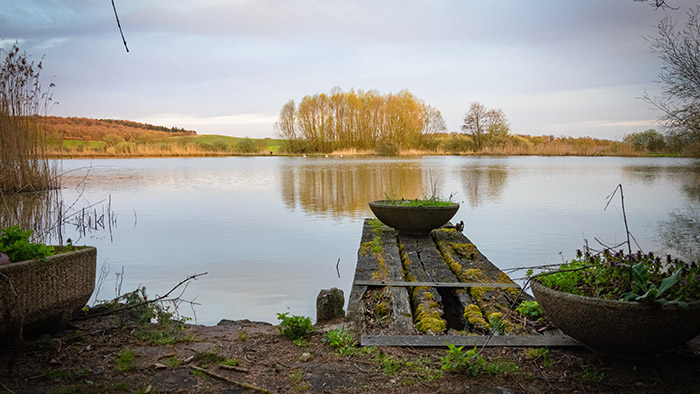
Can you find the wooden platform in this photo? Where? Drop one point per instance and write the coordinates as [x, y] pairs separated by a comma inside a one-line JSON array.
[[434, 289]]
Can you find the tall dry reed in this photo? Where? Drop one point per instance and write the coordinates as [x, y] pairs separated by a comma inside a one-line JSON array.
[[23, 163]]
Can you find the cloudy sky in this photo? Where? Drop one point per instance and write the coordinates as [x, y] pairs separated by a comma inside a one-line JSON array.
[[556, 67]]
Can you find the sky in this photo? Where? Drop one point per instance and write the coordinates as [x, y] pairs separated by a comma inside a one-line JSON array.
[[563, 68]]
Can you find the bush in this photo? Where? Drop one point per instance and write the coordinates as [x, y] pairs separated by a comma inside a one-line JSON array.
[[387, 148], [246, 145], [294, 327], [112, 139]]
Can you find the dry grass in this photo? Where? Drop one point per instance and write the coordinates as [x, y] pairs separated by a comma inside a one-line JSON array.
[[23, 163]]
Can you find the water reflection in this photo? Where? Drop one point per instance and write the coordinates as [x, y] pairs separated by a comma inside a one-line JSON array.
[[35, 211], [681, 234], [344, 190], [483, 183]]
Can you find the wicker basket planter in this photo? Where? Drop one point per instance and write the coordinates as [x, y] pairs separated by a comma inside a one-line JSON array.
[[42, 295], [619, 328]]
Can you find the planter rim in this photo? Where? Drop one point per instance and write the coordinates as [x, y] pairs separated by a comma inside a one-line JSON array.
[[385, 203], [67, 254], [603, 301]]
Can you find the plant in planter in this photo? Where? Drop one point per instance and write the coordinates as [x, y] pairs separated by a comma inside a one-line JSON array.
[[41, 286], [623, 303], [414, 217]]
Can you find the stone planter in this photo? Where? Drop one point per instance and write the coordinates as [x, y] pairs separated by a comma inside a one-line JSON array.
[[619, 328], [412, 220], [42, 295]]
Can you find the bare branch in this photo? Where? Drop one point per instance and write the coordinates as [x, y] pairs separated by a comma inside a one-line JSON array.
[[114, 7]]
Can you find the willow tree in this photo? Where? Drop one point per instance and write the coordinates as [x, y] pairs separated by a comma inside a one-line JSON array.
[[23, 163], [359, 120]]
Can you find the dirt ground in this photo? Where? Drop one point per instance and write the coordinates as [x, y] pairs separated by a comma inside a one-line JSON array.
[[109, 355]]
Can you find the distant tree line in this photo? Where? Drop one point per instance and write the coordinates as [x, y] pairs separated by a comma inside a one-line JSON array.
[[358, 120], [147, 126]]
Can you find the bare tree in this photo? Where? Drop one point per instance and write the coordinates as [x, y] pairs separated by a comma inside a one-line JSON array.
[[434, 123], [679, 50], [481, 122]]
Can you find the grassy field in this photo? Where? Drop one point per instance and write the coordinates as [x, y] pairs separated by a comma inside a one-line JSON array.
[[192, 145]]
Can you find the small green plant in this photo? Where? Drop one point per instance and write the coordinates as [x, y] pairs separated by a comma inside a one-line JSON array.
[[424, 202], [530, 309], [125, 360], [209, 357], [297, 379], [242, 336], [473, 363], [301, 342], [231, 362], [592, 376], [496, 324], [539, 353], [172, 362], [644, 290], [343, 340], [14, 242], [294, 327]]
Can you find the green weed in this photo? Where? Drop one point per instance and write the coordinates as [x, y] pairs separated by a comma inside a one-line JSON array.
[[14, 242], [343, 340], [592, 376], [297, 379], [125, 360], [473, 363], [539, 353], [530, 309], [294, 327]]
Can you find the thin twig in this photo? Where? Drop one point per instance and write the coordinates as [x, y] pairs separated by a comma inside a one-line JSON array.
[[224, 378], [120, 26], [138, 304]]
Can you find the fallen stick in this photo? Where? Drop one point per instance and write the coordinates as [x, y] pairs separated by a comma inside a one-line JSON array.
[[145, 302], [234, 368], [224, 378]]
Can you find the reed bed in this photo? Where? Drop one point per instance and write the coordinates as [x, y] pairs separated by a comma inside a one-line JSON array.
[[24, 166]]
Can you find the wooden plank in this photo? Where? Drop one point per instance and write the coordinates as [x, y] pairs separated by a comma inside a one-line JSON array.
[[431, 284], [468, 340]]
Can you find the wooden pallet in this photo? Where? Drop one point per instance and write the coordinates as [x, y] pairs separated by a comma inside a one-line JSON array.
[[436, 289]]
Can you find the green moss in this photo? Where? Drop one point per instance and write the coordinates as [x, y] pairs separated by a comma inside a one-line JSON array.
[[429, 319], [466, 250], [431, 324], [473, 315], [503, 278], [383, 308]]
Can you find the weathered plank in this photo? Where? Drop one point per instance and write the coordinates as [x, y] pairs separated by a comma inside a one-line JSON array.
[[379, 264], [469, 340], [432, 284]]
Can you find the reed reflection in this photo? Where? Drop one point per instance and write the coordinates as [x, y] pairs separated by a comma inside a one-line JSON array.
[[483, 183], [345, 190], [35, 211]]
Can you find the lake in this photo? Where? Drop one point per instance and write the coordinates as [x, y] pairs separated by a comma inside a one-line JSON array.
[[269, 231]]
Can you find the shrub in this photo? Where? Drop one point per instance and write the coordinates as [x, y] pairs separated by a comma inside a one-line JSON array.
[[294, 327]]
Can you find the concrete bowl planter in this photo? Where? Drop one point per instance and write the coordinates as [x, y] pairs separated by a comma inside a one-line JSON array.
[[38, 296], [619, 328], [414, 220]]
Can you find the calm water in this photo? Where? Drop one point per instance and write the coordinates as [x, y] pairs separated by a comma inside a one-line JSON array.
[[269, 230]]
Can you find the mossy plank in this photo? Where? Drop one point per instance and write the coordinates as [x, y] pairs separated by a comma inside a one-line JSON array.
[[378, 259]]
